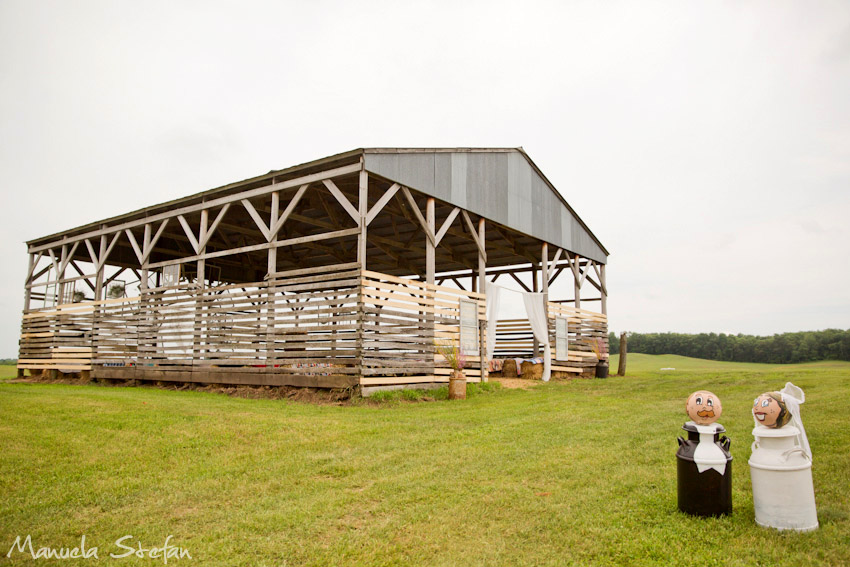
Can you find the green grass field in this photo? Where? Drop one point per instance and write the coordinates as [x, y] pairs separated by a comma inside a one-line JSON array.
[[576, 473]]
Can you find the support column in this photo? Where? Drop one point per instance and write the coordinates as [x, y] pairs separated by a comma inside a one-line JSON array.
[[101, 265], [145, 325], [577, 283], [534, 289], [604, 286], [430, 268], [430, 251], [28, 283], [363, 211], [271, 268], [544, 280], [146, 245], [482, 288], [60, 275], [197, 351]]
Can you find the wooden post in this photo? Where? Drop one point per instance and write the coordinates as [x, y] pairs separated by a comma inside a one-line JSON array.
[[363, 211], [101, 260], [60, 275], [544, 279], [430, 252], [145, 325], [146, 243], [482, 288], [577, 283], [272, 261], [197, 350], [621, 368], [534, 289], [271, 269], [604, 286], [28, 283]]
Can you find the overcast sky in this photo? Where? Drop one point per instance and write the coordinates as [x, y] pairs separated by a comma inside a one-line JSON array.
[[706, 144]]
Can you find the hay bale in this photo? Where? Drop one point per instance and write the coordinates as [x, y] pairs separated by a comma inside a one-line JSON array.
[[509, 368], [532, 371]]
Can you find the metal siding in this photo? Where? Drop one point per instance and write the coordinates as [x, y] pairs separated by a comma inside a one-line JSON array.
[[500, 186], [458, 188], [443, 176], [566, 228]]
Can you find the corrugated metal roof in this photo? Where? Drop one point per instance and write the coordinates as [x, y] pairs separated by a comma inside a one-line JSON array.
[[501, 184]]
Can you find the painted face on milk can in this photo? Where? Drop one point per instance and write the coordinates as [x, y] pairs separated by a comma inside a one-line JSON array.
[[770, 411], [703, 407]]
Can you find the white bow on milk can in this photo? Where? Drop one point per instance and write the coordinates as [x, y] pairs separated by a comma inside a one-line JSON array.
[[781, 463]]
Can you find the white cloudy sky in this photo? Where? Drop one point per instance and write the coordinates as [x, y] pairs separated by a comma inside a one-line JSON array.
[[707, 144]]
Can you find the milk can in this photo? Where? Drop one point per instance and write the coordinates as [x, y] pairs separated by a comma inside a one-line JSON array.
[[704, 487], [704, 464], [781, 463]]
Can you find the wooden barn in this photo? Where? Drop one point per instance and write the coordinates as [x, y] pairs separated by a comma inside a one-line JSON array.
[[337, 273]]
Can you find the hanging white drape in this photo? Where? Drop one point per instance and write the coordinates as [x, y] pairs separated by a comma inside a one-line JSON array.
[[494, 293], [535, 307]]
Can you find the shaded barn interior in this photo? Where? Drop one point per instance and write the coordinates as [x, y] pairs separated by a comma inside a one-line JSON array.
[[340, 272]]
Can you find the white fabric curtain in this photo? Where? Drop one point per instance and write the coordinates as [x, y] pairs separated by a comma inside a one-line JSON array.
[[494, 293], [535, 307]]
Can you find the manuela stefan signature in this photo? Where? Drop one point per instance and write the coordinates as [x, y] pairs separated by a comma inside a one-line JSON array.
[[124, 547]]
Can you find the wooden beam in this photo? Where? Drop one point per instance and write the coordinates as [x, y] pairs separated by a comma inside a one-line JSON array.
[[418, 214], [271, 265], [86, 277], [70, 255], [343, 200], [34, 260], [445, 226], [274, 229], [149, 246], [379, 206], [555, 276], [105, 254], [258, 220], [482, 288], [430, 243], [205, 238], [519, 281], [481, 248], [604, 308], [363, 212], [257, 247], [92, 253], [139, 254], [190, 234]]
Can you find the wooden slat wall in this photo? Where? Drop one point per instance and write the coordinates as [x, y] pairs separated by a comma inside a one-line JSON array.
[[315, 322], [514, 338], [330, 325], [115, 331], [52, 339], [583, 326], [165, 324], [401, 320]]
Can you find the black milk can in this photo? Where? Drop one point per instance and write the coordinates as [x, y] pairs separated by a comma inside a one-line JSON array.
[[704, 471]]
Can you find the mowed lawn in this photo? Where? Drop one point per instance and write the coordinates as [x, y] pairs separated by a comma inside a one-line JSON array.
[[575, 473]]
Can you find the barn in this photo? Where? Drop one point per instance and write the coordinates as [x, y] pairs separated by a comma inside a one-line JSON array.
[[337, 273]]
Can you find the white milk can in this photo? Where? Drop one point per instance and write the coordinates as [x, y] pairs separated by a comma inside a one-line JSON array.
[[781, 471]]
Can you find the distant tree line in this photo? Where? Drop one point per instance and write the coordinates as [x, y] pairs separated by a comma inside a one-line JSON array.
[[831, 344]]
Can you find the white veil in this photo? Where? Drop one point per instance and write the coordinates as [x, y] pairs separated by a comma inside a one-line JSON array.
[[793, 396]]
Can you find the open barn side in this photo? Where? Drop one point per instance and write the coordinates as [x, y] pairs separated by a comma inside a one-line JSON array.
[[337, 273]]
